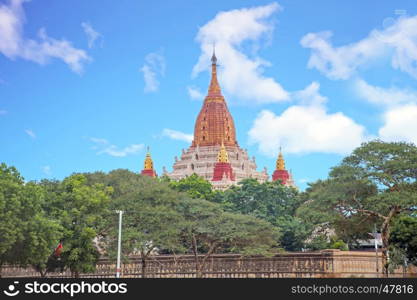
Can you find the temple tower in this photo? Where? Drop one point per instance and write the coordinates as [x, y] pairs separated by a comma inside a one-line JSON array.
[[214, 124], [281, 173], [215, 134], [223, 175], [148, 169]]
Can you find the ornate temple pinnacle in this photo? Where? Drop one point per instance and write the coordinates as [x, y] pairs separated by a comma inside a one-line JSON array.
[[148, 169], [214, 123], [280, 161], [148, 165], [223, 157], [213, 57], [214, 88]]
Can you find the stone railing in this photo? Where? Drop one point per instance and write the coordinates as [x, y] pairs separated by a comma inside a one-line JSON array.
[[326, 263]]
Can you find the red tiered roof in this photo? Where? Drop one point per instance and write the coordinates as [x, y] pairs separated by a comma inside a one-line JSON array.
[[223, 169], [150, 173], [280, 172], [282, 175], [148, 169]]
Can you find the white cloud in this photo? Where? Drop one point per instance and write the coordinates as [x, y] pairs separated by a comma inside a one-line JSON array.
[[400, 110], [177, 135], [310, 95], [400, 124], [14, 45], [154, 66], [306, 128], [3, 112], [229, 30], [30, 133], [195, 93], [398, 40], [91, 34], [104, 146], [46, 170], [385, 96]]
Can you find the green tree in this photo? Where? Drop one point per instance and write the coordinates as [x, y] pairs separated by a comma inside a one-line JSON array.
[[40, 233], [11, 188], [28, 235], [294, 232], [318, 242], [85, 208], [195, 186], [270, 201], [208, 229], [150, 222], [376, 182], [404, 236], [122, 181], [326, 213]]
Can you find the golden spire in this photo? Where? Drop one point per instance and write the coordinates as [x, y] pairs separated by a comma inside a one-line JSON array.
[[280, 161], [223, 157], [148, 161], [214, 88]]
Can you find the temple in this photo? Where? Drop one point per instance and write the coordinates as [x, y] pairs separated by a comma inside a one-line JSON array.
[[281, 173], [214, 152], [148, 169], [223, 175]]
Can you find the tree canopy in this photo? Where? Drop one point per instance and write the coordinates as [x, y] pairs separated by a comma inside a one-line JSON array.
[[374, 184], [150, 221], [404, 236], [85, 209], [270, 201], [195, 186], [208, 230]]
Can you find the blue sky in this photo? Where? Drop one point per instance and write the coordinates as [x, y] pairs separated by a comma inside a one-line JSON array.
[[88, 85]]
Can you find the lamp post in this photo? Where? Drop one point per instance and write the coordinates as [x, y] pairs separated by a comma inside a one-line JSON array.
[[119, 243]]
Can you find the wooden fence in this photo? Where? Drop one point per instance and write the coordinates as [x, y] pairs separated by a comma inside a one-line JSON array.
[[327, 263]]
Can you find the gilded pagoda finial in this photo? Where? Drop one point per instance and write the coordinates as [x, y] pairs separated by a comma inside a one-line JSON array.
[[223, 156], [213, 57], [214, 88], [148, 165], [280, 161]]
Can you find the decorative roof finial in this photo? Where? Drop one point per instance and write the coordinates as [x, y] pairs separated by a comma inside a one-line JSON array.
[[223, 157], [280, 161], [214, 88], [148, 165], [213, 57]]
